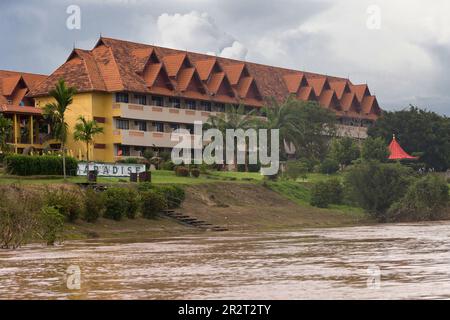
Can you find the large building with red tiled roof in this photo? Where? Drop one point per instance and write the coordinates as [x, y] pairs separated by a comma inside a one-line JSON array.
[[29, 128], [140, 93]]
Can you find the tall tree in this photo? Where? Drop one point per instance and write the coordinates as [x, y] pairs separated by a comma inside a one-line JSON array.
[[305, 125], [55, 112], [85, 131], [418, 131], [375, 149], [6, 126], [344, 151], [282, 116], [234, 118]]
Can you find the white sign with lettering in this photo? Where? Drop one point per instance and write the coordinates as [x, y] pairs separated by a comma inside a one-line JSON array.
[[110, 169]]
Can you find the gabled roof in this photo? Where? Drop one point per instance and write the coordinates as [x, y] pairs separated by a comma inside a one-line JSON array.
[[116, 65], [328, 99], [234, 72], [340, 87], [205, 67], [13, 88], [318, 84], [294, 81], [307, 94], [349, 103], [173, 63], [9, 84], [361, 90]]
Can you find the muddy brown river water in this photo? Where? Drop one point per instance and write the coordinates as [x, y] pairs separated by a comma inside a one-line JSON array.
[[375, 262]]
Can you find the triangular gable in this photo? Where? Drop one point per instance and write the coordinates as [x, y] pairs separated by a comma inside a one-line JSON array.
[[219, 84], [340, 87], [307, 94], [205, 67], [319, 84], [329, 99], [10, 83], [173, 63], [247, 88], [234, 72], [108, 67], [189, 80], [294, 81], [361, 91], [349, 103], [370, 106]]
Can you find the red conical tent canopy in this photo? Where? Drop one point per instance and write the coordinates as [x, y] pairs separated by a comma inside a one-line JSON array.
[[397, 152]]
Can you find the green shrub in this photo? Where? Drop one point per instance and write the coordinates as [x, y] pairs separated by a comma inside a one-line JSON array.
[[24, 165], [375, 149], [18, 216], [320, 195], [69, 202], [296, 169], [145, 186], [344, 150], [132, 199], [165, 155], [116, 203], [195, 172], [376, 186], [168, 165], [52, 224], [153, 202], [129, 160], [148, 154], [310, 163], [174, 195], [181, 171], [94, 205], [329, 166], [327, 192], [426, 199]]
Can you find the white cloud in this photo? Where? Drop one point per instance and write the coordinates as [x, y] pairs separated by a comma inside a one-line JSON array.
[[198, 32], [236, 51], [399, 61]]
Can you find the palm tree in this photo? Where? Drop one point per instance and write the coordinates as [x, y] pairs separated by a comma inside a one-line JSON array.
[[285, 118], [85, 130], [55, 112], [5, 132], [233, 118]]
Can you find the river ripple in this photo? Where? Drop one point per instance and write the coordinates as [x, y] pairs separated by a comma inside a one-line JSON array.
[[375, 262]]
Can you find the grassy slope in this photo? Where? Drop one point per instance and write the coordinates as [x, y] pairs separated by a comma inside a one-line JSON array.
[[236, 200]]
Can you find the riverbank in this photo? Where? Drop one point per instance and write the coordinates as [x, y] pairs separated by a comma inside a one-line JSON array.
[[235, 206], [235, 201]]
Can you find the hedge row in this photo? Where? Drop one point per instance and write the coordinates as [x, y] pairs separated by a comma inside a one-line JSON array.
[[24, 165]]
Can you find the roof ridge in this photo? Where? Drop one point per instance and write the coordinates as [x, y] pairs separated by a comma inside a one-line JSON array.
[[222, 58]]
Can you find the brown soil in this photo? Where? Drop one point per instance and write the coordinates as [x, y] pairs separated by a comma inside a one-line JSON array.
[[252, 206]]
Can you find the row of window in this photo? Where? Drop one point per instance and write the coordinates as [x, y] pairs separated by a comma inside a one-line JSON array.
[[124, 97], [141, 125]]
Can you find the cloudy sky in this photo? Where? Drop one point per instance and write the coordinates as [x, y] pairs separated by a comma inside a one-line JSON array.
[[401, 48]]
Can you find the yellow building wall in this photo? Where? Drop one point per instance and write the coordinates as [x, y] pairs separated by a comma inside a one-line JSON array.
[[89, 105]]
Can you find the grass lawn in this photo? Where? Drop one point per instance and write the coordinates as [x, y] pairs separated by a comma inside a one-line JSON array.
[[158, 177], [300, 192]]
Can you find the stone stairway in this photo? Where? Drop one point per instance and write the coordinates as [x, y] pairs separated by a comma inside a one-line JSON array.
[[191, 221]]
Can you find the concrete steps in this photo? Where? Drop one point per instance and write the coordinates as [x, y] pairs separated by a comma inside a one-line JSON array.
[[191, 221]]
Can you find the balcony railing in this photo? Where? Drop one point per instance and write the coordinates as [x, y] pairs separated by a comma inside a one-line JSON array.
[[162, 114], [146, 138]]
